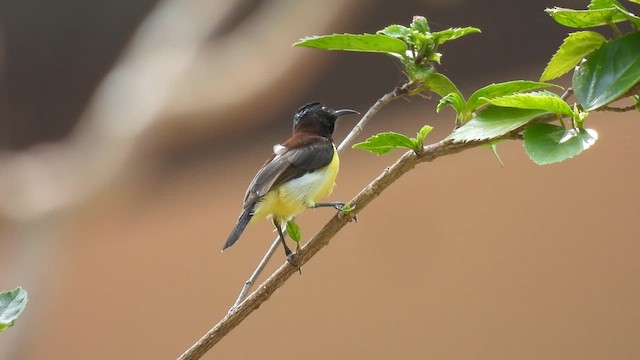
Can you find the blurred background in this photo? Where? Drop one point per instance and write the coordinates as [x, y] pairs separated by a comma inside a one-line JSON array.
[[130, 130]]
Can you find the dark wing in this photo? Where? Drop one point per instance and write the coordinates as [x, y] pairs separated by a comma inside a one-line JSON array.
[[292, 163]]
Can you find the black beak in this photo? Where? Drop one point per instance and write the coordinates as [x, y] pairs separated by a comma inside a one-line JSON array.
[[341, 112]]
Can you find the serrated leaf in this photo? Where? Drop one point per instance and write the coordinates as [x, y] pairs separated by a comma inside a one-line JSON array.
[[12, 304], [573, 49], [293, 230], [608, 73], [443, 36], [384, 142], [422, 134], [396, 31], [440, 85], [548, 144], [377, 43], [536, 101], [585, 18], [493, 122], [502, 89]]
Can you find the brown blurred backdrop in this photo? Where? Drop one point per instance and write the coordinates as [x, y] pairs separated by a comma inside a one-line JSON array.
[[130, 130]]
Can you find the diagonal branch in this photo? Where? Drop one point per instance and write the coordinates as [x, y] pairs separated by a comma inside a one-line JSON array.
[[407, 162]]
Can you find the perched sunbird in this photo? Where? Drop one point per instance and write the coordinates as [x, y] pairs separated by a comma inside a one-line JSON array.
[[301, 172]]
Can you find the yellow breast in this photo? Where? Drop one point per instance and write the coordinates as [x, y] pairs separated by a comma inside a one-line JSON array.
[[290, 198]]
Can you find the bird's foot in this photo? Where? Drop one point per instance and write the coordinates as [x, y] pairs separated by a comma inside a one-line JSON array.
[[343, 209]]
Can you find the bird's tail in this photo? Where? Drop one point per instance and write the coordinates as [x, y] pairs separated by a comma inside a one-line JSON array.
[[243, 220]]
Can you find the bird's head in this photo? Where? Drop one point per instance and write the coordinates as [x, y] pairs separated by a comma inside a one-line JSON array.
[[318, 119]]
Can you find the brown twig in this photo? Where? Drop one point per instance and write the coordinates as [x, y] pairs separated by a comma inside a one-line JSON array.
[[398, 92], [617, 109], [407, 162]]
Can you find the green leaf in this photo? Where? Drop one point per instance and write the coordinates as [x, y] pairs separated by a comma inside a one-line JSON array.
[[635, 1], [422, 134], [384, 142], [396, 31], [420, 24], [548, 144], [12, 303], [602, 4], [609, 73], [480, 97], [443, 36], [586, 18], [536, 101], [627, 15], [574, 48], [455, 100], [293, 230], [613, 4], [377, 43], [493, 122], [418, 73], [440, 85]]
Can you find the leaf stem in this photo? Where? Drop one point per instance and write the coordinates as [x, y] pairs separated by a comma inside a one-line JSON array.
[[615, 29]]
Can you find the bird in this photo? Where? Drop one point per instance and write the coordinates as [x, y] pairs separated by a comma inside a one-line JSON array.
[[301, 172]]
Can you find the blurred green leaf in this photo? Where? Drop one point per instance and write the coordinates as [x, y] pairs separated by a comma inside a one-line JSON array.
[[396, 31], [602, 4], [629, 16], [455, 100], [548, 144], [613, 4], [440, 85], [443, 36], [536, 101], [494, 121], [293, 230], [12, 304], [608, 73], [574, 48], [419, 73], [384, 142], [585, 18], [422, 134], [351, 42], [480, 96], [420, 24]]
